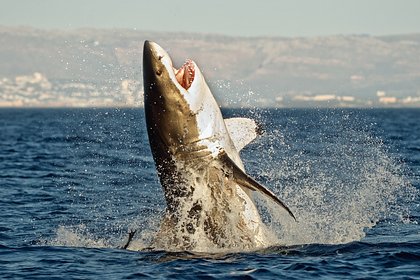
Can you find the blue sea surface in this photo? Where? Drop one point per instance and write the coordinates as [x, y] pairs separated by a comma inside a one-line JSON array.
[[74, 182]]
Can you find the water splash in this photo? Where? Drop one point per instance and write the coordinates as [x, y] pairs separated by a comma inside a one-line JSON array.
[[337, 177], [77, 237], [82, 235]]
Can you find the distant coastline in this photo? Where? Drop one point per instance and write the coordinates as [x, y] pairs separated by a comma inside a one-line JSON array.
[[102, 68]]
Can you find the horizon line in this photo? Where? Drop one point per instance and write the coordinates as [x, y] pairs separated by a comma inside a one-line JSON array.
[[134, 29]]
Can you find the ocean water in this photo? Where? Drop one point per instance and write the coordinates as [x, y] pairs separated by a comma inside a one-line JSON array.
[[74, 182]]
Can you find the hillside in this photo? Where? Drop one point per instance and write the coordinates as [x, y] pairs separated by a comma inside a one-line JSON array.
[[357, 66]]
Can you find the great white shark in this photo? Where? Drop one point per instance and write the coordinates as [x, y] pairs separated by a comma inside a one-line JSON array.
[[196, 153]]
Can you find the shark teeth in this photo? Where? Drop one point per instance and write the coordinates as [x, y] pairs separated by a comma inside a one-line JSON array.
[[185, 74]]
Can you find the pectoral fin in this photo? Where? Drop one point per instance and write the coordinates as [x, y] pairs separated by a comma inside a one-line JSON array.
[[246, 181], [242, 131]]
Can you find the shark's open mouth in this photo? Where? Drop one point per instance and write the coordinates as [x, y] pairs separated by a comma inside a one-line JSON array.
[[185, 74]]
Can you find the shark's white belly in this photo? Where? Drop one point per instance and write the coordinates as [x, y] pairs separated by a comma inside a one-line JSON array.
[[252, 219]]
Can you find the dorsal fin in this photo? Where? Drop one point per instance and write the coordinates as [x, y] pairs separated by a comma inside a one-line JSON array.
[[242, 131], [245, 181]]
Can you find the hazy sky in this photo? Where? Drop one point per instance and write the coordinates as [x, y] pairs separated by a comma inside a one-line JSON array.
[[246, 18]]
